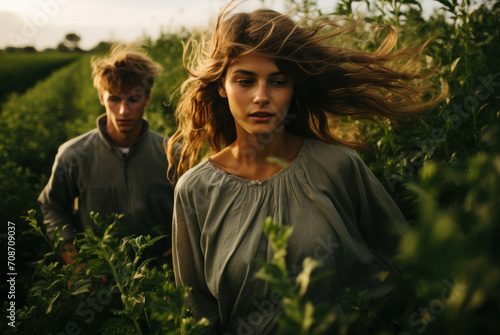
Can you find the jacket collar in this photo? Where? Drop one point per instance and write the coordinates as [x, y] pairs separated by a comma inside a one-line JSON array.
[[101, 128]]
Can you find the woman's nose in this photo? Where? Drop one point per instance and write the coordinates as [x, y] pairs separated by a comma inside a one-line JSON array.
[[261, 95]]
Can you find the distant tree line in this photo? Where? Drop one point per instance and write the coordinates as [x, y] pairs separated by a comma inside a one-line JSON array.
[[70, 43]]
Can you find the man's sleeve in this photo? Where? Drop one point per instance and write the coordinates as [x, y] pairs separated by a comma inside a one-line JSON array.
[[57, 200]]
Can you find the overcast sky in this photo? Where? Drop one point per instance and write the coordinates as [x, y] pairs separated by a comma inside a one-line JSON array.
[[44, 23]]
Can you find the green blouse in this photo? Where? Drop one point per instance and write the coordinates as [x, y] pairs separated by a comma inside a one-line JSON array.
[[340, 214]]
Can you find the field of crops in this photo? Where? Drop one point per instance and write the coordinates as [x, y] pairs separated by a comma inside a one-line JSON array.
[[443, 170], [21, 71]]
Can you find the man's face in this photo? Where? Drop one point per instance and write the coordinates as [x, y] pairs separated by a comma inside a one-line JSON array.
[[124, 111]]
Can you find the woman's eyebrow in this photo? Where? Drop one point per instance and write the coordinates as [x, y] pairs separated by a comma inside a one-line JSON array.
[[250, 73]]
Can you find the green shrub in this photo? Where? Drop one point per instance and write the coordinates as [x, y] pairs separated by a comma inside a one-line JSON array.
[[118, 291]]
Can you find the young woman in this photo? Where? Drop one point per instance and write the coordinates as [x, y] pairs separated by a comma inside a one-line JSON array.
[[266, 87]]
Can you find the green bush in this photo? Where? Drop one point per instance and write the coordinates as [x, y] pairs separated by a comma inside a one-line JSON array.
[[118, 291]]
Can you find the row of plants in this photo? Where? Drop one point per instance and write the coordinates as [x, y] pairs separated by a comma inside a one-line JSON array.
[[34, 125], [21, 71]]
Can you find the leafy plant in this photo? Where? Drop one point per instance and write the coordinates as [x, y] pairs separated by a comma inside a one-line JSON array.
[[116, 292], [299, 315], [451, 254]]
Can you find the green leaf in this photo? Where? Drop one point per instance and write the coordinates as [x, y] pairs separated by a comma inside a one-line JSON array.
[[448, 4], [82, 289], [304, 277], [454, 64], [51, 302]]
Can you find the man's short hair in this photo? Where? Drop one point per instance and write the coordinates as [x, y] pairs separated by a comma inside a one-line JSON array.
[[126, 68]]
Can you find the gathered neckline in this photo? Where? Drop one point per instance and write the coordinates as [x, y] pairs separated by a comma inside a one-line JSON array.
[[267, 180]]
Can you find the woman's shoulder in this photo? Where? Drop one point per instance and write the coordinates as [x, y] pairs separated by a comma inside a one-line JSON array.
[[335, 162], [195, 176], [326, 152]]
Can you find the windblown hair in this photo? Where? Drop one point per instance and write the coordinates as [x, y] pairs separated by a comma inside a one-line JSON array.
[[126, 68], [329, 81]]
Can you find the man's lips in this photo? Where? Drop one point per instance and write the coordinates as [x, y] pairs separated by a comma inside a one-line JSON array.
[[126, 121]]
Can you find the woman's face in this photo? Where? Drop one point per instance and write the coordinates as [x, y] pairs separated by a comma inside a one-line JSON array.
[[258, 93]]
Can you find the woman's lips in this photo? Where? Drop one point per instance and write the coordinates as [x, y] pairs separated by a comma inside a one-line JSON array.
[[261, 116]]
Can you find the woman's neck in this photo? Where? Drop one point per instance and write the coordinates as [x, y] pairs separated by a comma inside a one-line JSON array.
[[247, 157], [254, 150]]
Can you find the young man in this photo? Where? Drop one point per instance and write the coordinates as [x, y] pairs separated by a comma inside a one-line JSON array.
[[118, 167]]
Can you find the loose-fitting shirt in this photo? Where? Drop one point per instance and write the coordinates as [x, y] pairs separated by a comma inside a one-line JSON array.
[[341, 215], [104, 180]]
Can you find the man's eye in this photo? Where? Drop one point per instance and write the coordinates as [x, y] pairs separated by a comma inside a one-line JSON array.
[[135, 99]]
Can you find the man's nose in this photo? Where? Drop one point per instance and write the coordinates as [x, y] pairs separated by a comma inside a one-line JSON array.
[[124, 108]]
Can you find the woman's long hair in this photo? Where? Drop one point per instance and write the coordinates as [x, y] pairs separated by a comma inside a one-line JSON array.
[[329, 81]]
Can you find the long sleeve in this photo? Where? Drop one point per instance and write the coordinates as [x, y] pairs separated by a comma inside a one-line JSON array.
[[188, 259], [380, 221], [57, 199]]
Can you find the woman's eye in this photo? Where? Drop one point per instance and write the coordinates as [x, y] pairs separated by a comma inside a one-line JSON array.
[[279, 83], [244, 82]]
